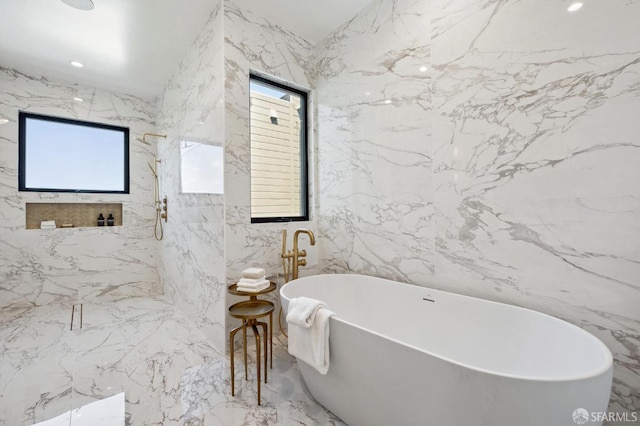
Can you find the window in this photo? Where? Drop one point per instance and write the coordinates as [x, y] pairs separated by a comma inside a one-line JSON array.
[[278, 152], [63, 155], [201, 168]]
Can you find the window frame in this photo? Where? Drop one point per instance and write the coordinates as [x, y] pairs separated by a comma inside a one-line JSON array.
[[304, 150], [22, 148]]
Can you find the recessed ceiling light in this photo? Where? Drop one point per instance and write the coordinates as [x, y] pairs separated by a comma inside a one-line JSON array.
[[79, 4], [575, 6], [78, 99], [3, 120], [423, 69], [367, 93], [77, 64], [388, 101]]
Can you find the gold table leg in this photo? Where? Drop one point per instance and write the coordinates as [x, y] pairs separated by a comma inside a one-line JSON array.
[[257, 335], [232, 336], [271, 337], [245, 324], [266, 352]]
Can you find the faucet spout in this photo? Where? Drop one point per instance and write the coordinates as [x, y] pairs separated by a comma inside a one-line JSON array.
[[298, 256], [312, 238]]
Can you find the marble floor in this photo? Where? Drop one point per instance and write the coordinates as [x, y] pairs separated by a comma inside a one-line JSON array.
[[136, 361]]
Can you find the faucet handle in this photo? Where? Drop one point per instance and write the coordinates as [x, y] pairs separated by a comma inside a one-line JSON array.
[[302, 262], [302, 253]]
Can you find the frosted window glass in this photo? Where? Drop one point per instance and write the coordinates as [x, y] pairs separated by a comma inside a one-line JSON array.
[[201, 168]]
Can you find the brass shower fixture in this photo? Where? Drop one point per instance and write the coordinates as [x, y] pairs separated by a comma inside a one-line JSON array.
[[144, 140]]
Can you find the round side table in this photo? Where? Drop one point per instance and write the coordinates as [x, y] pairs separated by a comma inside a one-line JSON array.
[[249, 311]]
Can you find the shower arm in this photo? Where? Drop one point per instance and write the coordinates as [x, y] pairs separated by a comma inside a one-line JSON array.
[[155, 174], [144, 140]]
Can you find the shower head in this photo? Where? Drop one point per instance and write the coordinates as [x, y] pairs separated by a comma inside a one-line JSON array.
[[144, 140]]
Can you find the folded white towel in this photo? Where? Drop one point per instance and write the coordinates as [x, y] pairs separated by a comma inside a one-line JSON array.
[[254, 285], [47, 224], [302, 312], [253, 289], [252, 280], [253, 273], [311, 344]]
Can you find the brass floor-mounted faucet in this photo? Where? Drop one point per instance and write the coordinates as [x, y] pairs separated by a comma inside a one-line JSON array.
[[292, 260], [295, 258]]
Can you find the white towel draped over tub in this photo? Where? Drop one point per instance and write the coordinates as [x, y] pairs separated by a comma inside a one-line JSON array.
[[308, 321]]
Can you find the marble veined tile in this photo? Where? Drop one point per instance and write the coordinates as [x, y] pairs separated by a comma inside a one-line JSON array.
[[39, 267], [37, 363], [374, 150], [535, 164], [192, 258], [144, 360], [104, 412]]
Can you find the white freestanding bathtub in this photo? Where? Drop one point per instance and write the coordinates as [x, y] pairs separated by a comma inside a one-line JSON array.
[[408, 355]]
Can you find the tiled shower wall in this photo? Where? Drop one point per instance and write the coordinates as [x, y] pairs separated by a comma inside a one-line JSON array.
[[192, 267], [38, 267], [507, 170], [209, 239]]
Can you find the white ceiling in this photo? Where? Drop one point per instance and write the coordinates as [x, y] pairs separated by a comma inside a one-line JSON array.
[[134, 46]]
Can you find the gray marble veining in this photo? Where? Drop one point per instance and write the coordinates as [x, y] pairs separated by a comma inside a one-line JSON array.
[[253, 43], [192, 267], [490, 148], [38, 267], [145, 348], [484, 147], [535, 183], [374, 144]]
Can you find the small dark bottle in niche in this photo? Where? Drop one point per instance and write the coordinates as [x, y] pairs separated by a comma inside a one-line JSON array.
[[111, 220], [100, 220]]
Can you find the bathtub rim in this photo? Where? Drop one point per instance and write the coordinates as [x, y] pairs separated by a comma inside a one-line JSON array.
[[608, 362]]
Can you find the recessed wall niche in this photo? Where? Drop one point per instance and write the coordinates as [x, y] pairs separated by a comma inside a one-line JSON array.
[[78, 215]]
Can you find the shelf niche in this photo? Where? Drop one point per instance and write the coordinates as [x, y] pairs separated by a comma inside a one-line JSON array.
[[80, 215]]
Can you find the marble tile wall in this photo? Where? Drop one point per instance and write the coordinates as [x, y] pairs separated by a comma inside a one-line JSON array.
[[192, 267], [374, 144], [252, 43], [517, 180], [504, 169], [39, 267], [535, 157]]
